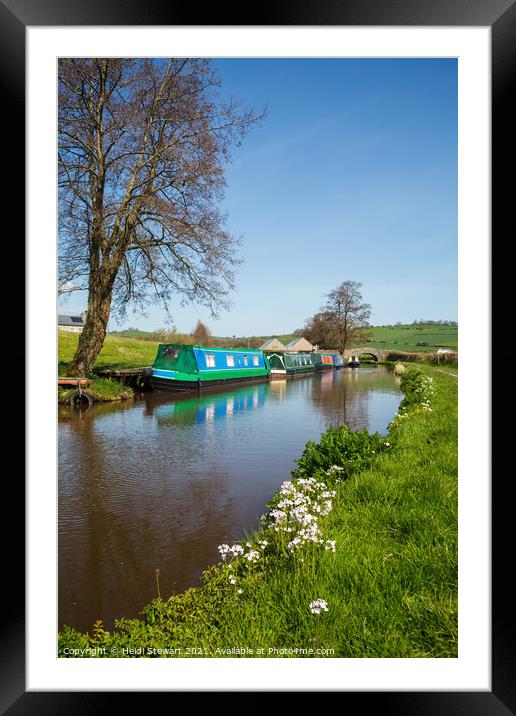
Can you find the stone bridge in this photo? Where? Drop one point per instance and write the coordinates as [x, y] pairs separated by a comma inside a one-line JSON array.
[[376, 353]]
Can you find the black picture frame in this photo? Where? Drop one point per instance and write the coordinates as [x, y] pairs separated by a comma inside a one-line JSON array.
[[500, 15]]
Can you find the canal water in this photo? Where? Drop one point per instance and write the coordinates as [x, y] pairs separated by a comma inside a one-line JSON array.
[[160, 482]]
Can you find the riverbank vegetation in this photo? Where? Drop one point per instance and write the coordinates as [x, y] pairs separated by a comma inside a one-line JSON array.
[[100, 390], [355, 556], [116, 354]]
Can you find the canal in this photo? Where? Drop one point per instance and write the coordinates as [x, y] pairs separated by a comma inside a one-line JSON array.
[[160, 482]]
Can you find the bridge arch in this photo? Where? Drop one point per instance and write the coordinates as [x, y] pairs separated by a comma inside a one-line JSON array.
[[377, 353]]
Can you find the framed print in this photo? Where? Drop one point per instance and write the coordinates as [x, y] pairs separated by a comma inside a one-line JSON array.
[[466, 48]]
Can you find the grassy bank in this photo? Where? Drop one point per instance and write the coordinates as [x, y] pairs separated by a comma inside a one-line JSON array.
[[116, 354], [367, 524], [101, 390]]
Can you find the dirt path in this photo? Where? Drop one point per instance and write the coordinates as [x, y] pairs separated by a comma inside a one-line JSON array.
[[455, 375]]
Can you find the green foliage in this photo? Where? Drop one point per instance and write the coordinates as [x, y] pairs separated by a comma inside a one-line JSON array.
[[338, 446]]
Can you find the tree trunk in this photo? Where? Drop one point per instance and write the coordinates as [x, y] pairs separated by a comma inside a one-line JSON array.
[[94, 332]]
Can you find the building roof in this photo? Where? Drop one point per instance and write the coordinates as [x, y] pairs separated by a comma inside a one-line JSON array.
[[70, 321], [300, 341], [272, 344]]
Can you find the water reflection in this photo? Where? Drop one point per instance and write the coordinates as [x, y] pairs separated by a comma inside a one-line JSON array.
[[207, 408], [159, 482]]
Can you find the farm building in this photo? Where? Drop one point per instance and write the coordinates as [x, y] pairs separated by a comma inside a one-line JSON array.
[[273, 344], [300, 344], [74, 324]]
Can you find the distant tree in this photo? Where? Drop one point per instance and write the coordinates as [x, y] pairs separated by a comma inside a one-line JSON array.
[[348, 315], [201, 334], [320, 330], [161, 335], [141, 154]]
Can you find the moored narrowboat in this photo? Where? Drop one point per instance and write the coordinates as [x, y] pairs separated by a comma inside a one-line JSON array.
[[278, 370], [322, 361], [338, 360], [292, 364], [186, 367], [352, 362]]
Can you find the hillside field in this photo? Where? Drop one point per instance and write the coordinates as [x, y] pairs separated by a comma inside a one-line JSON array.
[[407, 337]]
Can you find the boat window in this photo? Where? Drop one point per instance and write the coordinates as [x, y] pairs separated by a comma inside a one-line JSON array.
[[210, 360], [256, 360], [230, 360], [246, 360], [171, 352]]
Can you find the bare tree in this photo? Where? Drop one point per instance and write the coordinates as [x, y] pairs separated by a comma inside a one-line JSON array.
[[142, 144], [347, 314], [201, 334]]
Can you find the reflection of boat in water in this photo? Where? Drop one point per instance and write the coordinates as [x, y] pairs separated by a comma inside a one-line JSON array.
[[327, 379], [278, 389], [185, 367], [211, 408], [289, 364]]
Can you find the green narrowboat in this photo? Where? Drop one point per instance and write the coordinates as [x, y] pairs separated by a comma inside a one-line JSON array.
[[289, 364], [185, 367], [322, 361]]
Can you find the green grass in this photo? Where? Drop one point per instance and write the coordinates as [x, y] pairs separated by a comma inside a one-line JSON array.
[[390, 586], [406, 337], [116, 354]]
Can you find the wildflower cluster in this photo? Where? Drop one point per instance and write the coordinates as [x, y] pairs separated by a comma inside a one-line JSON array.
[[296, 513], [236, 555], [419, 390]]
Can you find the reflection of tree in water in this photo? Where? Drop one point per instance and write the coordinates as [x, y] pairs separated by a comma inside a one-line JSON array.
[[344, 396], [129, 503]]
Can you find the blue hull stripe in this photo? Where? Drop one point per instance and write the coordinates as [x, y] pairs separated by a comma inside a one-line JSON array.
[[161, 373]]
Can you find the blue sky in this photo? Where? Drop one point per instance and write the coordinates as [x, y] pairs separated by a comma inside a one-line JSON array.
[[351, 176]]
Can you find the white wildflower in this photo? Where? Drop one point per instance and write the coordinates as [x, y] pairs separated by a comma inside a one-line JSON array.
[[252, 556], [318, 606]]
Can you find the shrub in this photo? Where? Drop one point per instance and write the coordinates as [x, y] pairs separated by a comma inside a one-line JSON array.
[[340, 446]]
